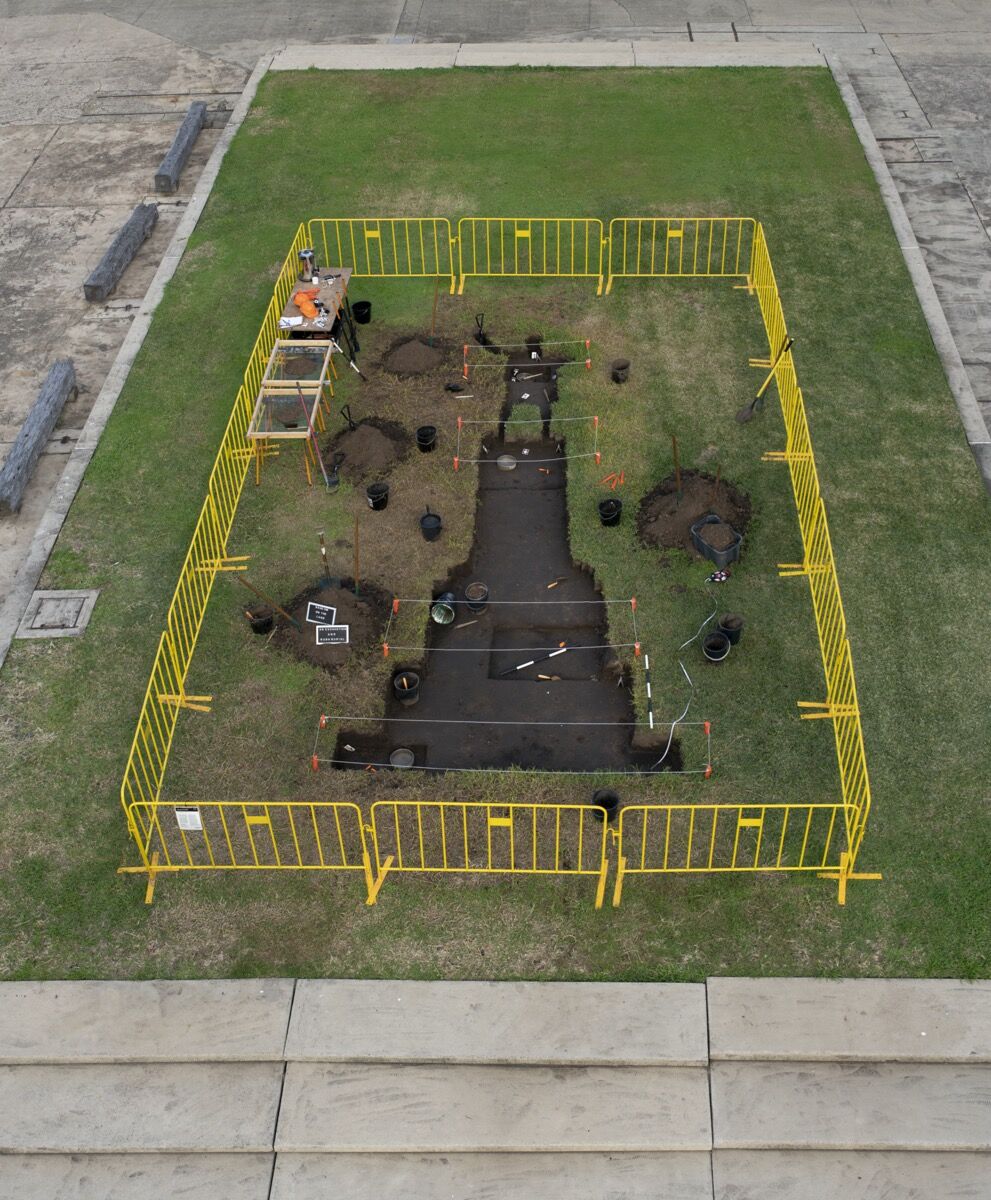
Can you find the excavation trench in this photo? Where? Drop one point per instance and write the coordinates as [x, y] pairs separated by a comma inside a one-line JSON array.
[[569, 712]]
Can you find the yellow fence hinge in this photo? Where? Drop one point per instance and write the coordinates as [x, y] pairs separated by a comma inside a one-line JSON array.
[[227, 563], [787, 570], [823, 709], [184, 700], [786, 456]]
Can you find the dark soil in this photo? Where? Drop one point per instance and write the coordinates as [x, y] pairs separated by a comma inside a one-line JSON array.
[[719, 535], [664, 521], [370, 451], [365, 613], [412, 357]]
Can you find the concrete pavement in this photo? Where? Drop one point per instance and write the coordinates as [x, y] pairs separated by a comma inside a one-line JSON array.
[[729, 1090]]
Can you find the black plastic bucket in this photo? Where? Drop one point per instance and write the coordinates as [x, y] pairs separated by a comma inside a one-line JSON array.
[[731, 625], [610, 511], [444, 609], [620, 370], [430, 526], [378, 496], [608, 799], [406, 687], [426, 438], [361, 310], [476, 597], [715, 647], [262, 619]]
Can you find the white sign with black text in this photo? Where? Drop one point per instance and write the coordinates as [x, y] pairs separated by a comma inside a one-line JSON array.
[[333, 635], [320, 614]]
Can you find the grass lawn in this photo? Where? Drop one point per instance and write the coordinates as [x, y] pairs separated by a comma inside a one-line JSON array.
[[907, 511]]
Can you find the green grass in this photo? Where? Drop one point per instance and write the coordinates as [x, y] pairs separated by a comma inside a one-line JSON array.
[[907, 512]]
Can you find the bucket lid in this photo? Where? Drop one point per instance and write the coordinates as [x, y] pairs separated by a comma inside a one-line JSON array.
[[402, 757], [506, 462]]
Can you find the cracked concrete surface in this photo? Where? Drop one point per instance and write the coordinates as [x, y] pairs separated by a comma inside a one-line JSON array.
[[90, 100]]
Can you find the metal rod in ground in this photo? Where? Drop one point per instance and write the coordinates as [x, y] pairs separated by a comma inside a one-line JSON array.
[[677, 466], [650, 699], [268, 600], [323, 554], [433, 319], [357, 548], [533, 661], [313, 436]]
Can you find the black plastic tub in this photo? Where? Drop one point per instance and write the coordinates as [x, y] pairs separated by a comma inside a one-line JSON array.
[[620, 370], [610, 511], [426, 438], [361, 310], [476, 597], [731, 624], [261, 619], [715, 647], [378, 496], [430, 526], [722, 558], [406, 687], [608, 799]]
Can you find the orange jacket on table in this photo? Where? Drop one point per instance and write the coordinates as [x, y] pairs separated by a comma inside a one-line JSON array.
[[304, 302]]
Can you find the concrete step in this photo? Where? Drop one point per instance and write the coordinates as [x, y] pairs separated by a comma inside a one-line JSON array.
[[863, 1175], [176, 1109], [846, 1106], [443, 1109], [493, 1176], [571, 1024], [136, 1176], [158, 1021], [894, 1020]]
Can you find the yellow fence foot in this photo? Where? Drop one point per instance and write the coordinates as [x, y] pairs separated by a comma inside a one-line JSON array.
[[844, 873], [374, 884], [600, 891], [226, 563], [617, 892], [765, 363]]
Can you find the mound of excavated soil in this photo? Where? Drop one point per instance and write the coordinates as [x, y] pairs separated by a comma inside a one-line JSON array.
[[412, 358], [664, 521], [370, 451], [366, 615]]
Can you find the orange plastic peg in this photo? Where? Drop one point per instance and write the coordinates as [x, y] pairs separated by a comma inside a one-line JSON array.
[[385, 649], [455, 464], [460, 419], [633, 603], [707, 726], [636, 649], [315, 763], [323, 720], [395, 605], [588, 364], [708, 770], [588, 343], [598, 458]]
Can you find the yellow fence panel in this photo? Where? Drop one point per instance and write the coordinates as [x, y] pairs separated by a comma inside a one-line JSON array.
[[471, 838], [166, 694], [680, 839], [534, 247], [655, 247], [386, 247]]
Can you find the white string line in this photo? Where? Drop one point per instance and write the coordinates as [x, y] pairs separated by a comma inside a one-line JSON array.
[[505, 649], [411, 601], [528, 421], [544, 364], [466, 721], [522, 462], [527, 345], [348, 762]]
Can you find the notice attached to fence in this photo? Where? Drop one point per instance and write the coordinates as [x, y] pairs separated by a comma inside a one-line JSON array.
[[321, 614], [189, 819], [333, 635]]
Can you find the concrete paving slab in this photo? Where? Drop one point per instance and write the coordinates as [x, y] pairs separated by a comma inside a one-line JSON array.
[[847, 1106], [156, 1021], [864, 1175], [546, 54], [135, 1176], [446, 1109], [753, 52], [804, 13], [869, 1020], [108, 162], [645, 1024], [493, 1176], [363, 58], [966, 16], [192, 1108], [20, 146]]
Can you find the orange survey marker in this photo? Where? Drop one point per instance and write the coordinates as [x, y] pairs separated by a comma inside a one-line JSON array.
[[614, 480]]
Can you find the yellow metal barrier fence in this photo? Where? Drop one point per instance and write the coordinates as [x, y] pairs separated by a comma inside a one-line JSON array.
[[522, 839], [534, 247], [166, 693], [685, 839], [386, 247], [241, 836], [668, 247], [540, 839]]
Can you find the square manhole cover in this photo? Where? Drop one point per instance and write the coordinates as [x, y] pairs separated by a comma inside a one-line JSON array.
[[57, 614]]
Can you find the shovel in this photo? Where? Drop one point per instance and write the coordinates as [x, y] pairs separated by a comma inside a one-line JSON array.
[[346, 414], [745, 413]]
